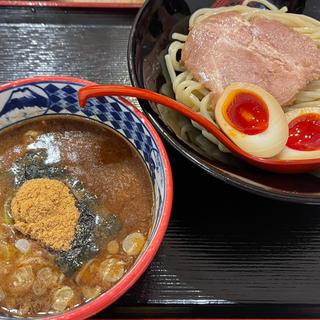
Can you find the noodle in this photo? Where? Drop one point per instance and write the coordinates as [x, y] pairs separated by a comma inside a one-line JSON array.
[[194, 95]]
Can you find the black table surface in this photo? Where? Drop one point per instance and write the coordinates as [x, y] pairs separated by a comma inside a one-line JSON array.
[[227, 253]]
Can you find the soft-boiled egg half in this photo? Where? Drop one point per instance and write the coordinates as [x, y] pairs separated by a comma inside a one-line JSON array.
[[253, 119], [304, 134]]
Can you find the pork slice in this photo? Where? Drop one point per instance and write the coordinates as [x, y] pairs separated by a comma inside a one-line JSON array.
[[226, 48], [301, 50]]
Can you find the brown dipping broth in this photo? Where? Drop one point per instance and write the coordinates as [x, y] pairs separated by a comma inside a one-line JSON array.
[[108, 167]]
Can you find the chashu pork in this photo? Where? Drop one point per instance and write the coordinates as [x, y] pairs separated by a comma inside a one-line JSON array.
[[227, 48]]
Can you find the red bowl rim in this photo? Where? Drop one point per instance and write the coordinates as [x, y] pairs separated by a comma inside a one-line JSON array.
[[106, 299]]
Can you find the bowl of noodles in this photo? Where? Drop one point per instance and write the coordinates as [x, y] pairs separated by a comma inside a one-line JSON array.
[[169, 52]]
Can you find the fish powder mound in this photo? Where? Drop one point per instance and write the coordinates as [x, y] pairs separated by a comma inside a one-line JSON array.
[[45, 210]]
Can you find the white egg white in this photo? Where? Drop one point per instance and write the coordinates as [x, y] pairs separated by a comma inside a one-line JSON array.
[[292, 154], [266, 144]]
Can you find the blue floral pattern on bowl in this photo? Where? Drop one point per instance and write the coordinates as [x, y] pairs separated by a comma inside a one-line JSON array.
[[35, 99]]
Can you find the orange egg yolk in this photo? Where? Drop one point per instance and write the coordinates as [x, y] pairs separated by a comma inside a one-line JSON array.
[[247, 113], [304, 132]]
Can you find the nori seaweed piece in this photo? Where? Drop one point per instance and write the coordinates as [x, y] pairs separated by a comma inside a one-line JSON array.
[[32, 166], [80, 193], [84, 246], [93, 232]]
